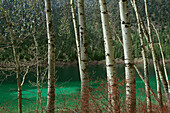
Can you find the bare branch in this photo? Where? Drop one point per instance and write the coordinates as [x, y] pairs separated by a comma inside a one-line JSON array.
[[24, 76]]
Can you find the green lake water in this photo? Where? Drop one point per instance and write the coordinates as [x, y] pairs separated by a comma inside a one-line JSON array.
[[67, 87]]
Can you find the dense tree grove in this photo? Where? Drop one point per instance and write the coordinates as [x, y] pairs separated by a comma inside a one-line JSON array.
[[38, 35], [63, 29]]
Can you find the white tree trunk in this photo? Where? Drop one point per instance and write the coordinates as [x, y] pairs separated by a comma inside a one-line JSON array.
[[157, 66], [76, 33], [145, 62], [84, 58], [163, 58], [137, 70], [113, 93], [128, 56], [51, 59]]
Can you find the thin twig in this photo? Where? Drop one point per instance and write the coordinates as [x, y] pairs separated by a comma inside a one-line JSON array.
[[24, 76]]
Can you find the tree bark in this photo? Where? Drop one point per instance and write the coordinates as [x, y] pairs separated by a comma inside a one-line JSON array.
[[84, 58], [17, 72], [36, 55], [145, 62], [51, 59], [76, 33], [163, 58], [157, 66], [113, 93], [128, 56], [137, 70]]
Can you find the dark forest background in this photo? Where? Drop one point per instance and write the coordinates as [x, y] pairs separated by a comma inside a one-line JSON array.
[[23, 16]]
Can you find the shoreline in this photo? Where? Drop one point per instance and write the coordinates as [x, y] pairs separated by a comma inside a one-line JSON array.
[[11, 65]]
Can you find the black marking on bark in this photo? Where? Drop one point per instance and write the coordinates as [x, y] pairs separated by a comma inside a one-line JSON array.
[[81, 28], [107, 54], [127, 14], [105, 12], [124, 0], [48, 10], [109, 65], [81, 13], [83, 60], [123, 22], [129, 64], [142, 46], [81, 33], [50, 24], [126, 26]]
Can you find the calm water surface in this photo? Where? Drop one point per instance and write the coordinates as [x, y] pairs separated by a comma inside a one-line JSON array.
[[67, 85]]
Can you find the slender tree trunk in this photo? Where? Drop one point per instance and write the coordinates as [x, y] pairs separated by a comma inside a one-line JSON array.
[[163, 58], [113, 93], [76, 33], [36, 55], [41, 99], [137, 70], [128, 56], [145, 62], [18, 73], [51, 59], [155, 60], [159, 93], [37, 72], [84, 58], [17, 66]]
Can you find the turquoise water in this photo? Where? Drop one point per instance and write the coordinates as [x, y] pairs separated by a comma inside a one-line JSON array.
[[67, 87]]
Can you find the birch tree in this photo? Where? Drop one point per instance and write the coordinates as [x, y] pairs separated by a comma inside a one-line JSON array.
[[128, 56], [145, 62], [51, 59], [76, 32], [113, 93], [157, 66], [163, 57], [83, 58], [136, 68]]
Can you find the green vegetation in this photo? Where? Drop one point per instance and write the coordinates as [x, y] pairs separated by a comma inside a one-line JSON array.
[[24, 47], [63, 29]]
